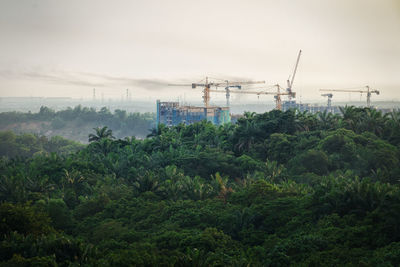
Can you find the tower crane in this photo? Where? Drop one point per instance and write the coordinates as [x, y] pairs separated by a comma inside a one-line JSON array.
[[277, 95], [368, 91], [226, 84], [329, 99], [290, 81], [228, 92]]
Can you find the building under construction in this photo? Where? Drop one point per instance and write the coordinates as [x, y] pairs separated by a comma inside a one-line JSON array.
[[171, 113]]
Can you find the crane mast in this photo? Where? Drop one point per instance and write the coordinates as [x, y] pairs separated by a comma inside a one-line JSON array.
[[329, 99], [228, 93], [278, 99]]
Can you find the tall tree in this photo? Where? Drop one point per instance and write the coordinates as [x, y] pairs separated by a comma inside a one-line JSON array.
[[101, 133]]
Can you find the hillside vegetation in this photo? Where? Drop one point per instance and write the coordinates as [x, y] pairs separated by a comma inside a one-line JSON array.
[[76, 123], [275, 189]]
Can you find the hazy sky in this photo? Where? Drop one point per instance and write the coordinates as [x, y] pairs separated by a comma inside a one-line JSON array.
[[67, 48]]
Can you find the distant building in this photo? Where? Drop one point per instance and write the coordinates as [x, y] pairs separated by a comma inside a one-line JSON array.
[[171, 113], [286, 105]]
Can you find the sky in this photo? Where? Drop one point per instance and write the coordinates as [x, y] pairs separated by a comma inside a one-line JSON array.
[[66, 48]]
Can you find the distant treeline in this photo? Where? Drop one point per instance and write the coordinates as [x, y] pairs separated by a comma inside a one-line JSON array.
[[75, 123]]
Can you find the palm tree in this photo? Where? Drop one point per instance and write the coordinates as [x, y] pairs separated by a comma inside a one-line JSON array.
[[374, 121], [101, 133], [103, 146], [158, 130], [225, 134], [201, 190], [195, 188], [147, 182], [395, 117], [12, 188], [39, 185], [224, 190], [195, 257], [393, 127], [350, 116], [247, 135], [295, 188], [75, 182], [274, 170], [305, 121], [326, 120], [249, 115]]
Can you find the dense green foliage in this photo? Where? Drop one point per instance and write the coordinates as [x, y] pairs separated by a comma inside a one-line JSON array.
[[275, 189], [75, 123]]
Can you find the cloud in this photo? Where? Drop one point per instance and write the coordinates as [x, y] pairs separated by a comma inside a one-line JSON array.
[[149, 84], [87, 79], [49, 77], [61, 79], [84, 79]]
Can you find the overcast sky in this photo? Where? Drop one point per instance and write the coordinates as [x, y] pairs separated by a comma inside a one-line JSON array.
[[66, 48]]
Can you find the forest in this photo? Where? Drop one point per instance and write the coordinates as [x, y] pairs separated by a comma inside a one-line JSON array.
[[75, 123], [275, 189]]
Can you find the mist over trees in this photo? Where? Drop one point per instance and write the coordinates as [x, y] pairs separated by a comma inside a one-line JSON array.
[[275, 189], [75, 123]]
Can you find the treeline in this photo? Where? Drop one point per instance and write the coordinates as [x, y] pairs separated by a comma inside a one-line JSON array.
[[275, 189], [74, 123]]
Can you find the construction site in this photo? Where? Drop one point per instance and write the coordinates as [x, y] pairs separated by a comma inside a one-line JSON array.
[[172, 113]]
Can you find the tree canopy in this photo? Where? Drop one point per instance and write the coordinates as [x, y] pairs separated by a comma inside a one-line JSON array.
[[274, 189]]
